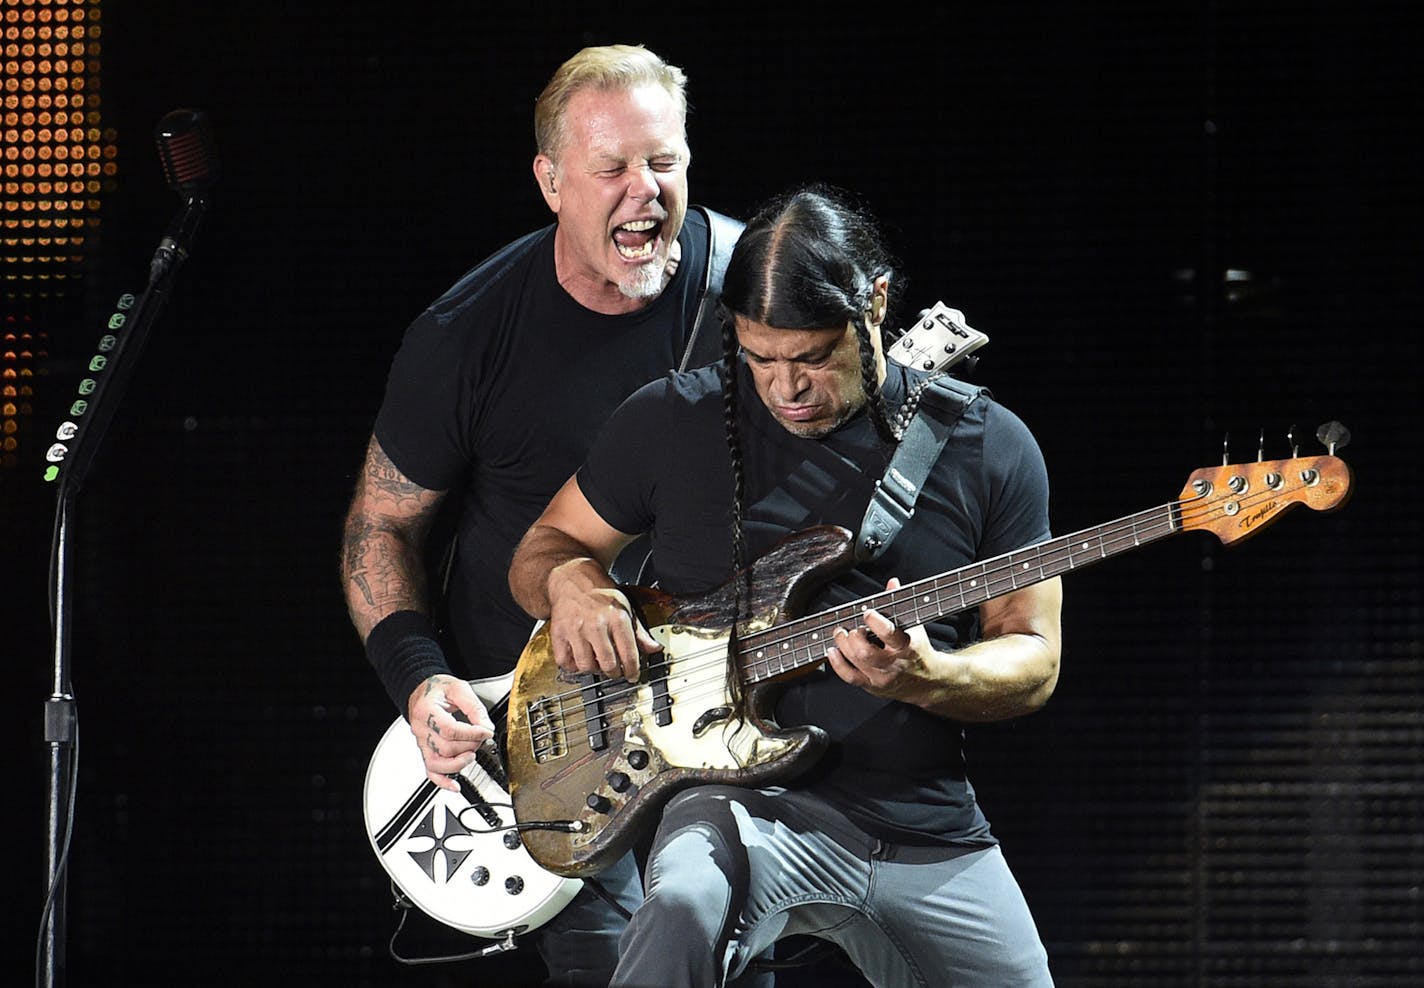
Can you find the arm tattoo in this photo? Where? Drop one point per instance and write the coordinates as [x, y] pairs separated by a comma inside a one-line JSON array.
[[384, 537], [385, 477]]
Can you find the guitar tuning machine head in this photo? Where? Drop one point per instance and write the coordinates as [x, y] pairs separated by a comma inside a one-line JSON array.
[[1333, 436]]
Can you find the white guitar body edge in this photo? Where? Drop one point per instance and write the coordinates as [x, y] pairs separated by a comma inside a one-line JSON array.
[[441, 852]]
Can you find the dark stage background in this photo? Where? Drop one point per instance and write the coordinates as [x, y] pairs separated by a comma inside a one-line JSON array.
[[1226, 789]]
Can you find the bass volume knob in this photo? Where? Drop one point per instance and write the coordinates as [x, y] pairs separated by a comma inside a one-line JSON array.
[[598, 802]]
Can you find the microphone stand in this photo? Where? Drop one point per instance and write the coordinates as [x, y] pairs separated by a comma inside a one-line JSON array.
[[114, 369]]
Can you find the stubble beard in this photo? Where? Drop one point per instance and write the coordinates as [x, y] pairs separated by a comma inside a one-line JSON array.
[[646, 281]]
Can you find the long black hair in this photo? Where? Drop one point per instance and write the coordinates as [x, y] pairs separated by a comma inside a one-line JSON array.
[[808, 259]]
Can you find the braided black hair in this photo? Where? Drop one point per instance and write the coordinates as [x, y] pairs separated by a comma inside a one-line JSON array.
[[808, 259]]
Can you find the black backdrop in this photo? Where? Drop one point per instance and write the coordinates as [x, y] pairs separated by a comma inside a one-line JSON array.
[[1226, 789]]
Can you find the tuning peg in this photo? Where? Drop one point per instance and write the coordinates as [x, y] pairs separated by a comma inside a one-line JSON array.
[[1261, 447], [1333, 436], [1294, 442], [1226, 449]]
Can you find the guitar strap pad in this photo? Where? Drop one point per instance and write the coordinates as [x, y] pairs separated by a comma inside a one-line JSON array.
[[893, 504], [704, 345]]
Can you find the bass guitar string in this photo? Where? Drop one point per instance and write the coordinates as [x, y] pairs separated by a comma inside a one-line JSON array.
[[1104, 541]]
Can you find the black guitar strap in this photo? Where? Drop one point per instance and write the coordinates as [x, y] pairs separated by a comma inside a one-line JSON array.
[[941, 406], [704, 345]]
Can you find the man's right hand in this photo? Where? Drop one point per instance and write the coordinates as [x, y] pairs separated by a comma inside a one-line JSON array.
[[560, 573], [592, 627], [449, 723]]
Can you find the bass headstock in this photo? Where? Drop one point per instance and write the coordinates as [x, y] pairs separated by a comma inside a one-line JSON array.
[[1234, 501]]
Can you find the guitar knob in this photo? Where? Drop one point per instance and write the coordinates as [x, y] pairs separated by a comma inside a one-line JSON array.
[[480, 875], [511, 839], [618, 781], [598, 802], [638, 758], [514, 885]]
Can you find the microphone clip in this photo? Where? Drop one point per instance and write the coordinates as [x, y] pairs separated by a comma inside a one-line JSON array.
[[177, 239]]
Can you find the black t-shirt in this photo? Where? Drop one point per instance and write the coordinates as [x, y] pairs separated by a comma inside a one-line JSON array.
[[661, 465], [495, 395]]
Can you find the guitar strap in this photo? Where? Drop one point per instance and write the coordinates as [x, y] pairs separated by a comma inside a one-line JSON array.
[[941, 406], [703, 345]]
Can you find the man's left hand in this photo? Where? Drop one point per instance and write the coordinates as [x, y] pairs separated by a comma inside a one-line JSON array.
[[877, 656]]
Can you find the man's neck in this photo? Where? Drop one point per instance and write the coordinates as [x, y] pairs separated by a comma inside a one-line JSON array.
[[596, 293], [601, 296]]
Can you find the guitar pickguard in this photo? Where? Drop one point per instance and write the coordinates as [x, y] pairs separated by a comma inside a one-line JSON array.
[[706, 731]]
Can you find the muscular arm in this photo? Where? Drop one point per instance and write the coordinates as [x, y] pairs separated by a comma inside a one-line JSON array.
[[382, 563], [1012, 671], [560, 572]]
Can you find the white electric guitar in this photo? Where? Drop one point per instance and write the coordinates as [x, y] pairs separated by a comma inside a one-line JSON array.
[[458, 856], [939, 339]]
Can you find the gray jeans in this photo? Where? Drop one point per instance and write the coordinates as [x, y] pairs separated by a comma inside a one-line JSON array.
[[580, 945], [734, 870]]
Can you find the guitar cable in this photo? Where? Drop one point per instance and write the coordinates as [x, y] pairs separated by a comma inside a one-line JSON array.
[[560, 826], [405, 905]]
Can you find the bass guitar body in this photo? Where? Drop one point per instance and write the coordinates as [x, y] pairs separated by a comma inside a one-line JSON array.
[[603, 755]]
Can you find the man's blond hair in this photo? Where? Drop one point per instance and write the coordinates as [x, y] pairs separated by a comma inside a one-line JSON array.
[[601, 67]]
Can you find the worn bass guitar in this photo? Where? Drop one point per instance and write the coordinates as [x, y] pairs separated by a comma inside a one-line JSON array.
[[599, 757]]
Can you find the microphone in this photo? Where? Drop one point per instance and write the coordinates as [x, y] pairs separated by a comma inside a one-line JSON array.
[[190, 166]]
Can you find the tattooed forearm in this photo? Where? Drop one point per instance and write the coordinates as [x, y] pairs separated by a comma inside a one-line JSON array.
[[381, 557], [386, 573]]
